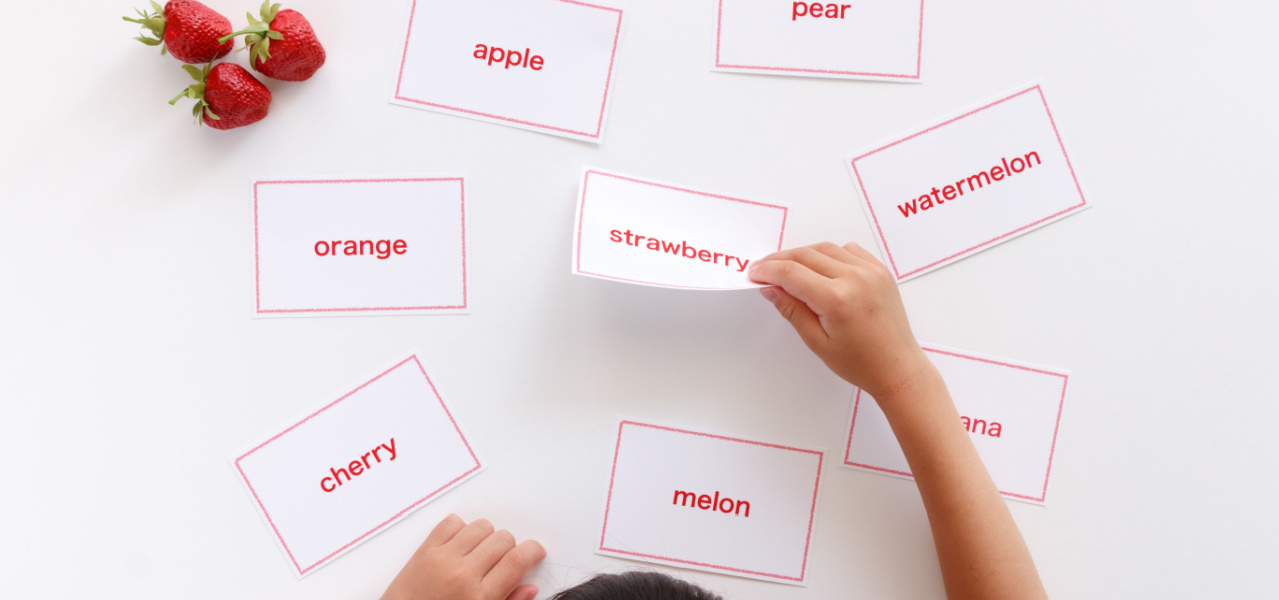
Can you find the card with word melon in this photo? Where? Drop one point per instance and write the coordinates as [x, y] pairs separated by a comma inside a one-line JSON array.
[[711, 501]]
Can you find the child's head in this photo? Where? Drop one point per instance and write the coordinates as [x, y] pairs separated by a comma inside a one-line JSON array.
[[635, 585]]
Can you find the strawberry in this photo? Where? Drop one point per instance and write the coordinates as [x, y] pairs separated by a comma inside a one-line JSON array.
[[188, 29], [282, 45], [226, 95]]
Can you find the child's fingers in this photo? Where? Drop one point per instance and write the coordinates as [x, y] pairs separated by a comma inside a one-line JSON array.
[[861, 253], [491, 550], [469, 537], [802, 318], [839, 253], [444, 531], [818, 260], [510, 569], [527, 591], [797, 279]]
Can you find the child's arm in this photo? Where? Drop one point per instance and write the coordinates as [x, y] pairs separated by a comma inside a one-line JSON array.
[[467, 562], [846, 307]]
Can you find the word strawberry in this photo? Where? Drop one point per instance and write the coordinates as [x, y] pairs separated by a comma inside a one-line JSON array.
[[226, 95], [282, 45], [187, 29]]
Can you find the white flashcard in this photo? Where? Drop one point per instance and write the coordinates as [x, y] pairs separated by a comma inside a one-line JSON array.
[[881, 40], [970, 182], [358, 464], [711, 502], [658, 234], [541, 65], [327, 247], [1011, 411]]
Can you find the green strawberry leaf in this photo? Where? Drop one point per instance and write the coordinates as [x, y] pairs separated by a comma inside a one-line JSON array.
[[275, 35], [195, 72], [157, 7]]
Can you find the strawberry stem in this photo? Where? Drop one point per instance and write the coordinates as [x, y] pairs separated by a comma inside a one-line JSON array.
[[257, 28]]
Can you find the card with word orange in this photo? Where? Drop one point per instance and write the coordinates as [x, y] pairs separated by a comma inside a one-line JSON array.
[[1011, 410], [967, 183], [359, 246], [881, 40], [713, 502], [542, 65], [652, 233], [354, 466]]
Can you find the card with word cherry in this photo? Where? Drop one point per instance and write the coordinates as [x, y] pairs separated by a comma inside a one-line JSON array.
[[652, 233], [882, 40], [702, 500], [343, 472], [541, 65], [1011, 410], [967, 183], [359, 246]]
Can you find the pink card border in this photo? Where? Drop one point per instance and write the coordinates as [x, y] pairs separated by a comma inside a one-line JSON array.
[[581, 210], [919, 56], [608, 81], [303, 571], [812, 515], [883, 242], [257, 286], [1065, 380]]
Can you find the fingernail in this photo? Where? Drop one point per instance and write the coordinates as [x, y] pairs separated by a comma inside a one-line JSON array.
[[769, 294]]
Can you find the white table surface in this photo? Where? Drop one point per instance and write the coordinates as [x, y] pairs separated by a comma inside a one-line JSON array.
[[130, 369]]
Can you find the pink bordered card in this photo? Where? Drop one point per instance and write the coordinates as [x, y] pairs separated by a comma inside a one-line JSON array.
[[1011, 410], [661, 234], [541, 65], [880, 40], [967, 183], [709, 501], [342, 472], [359, 246]]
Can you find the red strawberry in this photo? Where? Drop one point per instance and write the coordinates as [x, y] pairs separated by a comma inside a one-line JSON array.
[[188, 29], [226, 95], [282, 45]]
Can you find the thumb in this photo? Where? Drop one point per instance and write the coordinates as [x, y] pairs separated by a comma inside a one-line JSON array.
[[801, 317], [527, 591]]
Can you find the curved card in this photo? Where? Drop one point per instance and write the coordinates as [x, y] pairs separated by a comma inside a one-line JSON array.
[[651, 233]]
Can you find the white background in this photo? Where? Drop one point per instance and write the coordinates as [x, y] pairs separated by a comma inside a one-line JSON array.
[[130, 369]]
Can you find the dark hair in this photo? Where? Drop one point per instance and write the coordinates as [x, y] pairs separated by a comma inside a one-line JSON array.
[[635, 585]]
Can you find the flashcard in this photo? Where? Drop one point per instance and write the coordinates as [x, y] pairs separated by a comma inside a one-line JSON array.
[[961, 186], [359, 246], [652, 233], [1011, 410], [880, 40], [542, 65], [356, 465], [711, 502]]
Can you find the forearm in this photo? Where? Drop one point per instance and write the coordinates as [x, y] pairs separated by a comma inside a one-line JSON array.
[[980, 549]]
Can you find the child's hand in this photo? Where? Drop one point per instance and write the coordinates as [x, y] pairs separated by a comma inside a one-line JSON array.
[[467, 562], [845, 305]]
